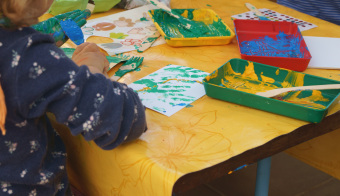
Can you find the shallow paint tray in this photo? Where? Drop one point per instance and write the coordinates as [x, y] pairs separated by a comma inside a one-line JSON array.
[[217, 32], [276, 43], [238, 80]]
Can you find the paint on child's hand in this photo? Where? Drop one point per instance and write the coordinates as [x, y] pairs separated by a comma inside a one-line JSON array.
[[73, 31]]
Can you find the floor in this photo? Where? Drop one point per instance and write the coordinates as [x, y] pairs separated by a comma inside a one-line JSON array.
[[289, 177]]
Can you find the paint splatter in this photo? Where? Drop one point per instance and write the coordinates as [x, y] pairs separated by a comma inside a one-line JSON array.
[[212, 25]]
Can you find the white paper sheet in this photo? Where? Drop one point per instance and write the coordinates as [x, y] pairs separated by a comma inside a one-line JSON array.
[[127, 29], [325, 52], [171, 88]]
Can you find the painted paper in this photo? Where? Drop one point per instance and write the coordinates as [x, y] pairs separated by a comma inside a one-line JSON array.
[[171, 88], [128, 30], [275, 16]]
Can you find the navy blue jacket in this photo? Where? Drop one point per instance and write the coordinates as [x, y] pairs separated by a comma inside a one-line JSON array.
[[38, 78]]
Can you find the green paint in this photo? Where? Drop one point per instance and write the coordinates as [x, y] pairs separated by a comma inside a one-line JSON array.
[[112, 59], [173, 29], [153, 3], [182, 99], [143, 19], [151, 39], [208, 5], [68, 51], [158, 109]]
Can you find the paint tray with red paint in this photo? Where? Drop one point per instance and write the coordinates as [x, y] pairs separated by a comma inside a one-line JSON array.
[[275, 43]]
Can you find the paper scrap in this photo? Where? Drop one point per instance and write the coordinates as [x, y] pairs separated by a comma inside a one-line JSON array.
[[325, 52]]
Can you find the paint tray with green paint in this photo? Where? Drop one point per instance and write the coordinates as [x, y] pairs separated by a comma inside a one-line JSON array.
[[238, 80], [209, 29]]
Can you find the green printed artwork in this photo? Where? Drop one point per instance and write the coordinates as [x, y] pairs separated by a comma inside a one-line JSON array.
[[171, 88]]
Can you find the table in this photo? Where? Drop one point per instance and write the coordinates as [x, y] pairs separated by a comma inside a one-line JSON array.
[[199, 143]]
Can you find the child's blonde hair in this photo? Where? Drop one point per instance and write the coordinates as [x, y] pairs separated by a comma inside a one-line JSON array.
[[22, 13]]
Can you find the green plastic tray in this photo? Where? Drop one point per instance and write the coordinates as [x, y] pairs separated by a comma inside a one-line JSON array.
[[219, 85]]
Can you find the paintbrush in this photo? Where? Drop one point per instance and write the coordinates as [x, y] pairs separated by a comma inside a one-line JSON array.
[[277, 91], [256, 11], [185, 22], [90, 5]]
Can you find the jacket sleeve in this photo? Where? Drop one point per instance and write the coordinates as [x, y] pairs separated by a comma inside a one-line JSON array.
[[102, 110]]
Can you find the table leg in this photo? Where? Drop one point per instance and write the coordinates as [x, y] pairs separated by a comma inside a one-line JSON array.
[[262, 177]]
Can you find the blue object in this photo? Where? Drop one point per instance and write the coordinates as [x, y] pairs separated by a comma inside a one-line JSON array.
[[262, 177], [283, 46], [73, 31], [262, 17]]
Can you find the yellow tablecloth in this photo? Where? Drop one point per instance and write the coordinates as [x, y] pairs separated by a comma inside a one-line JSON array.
[[194, 138]]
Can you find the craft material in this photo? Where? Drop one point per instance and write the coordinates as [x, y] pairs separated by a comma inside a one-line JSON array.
[[275, 16], [130, 65], [126, 29], [278, 44], [73, 31], [278, 91], [114, 60], [218, 32], [148, 42], [256, 11], [238, 81], [170, 88], [325, 52]]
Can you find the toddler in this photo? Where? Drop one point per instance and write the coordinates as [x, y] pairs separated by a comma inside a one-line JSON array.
[[36, 77]]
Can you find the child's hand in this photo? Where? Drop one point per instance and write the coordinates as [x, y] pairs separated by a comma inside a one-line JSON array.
[[52, 25], [89, 54]]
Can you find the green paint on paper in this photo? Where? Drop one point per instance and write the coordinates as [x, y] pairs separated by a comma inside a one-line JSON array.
[[173, 87], [144, 19]]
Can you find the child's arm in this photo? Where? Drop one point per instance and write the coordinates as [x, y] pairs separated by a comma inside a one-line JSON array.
[[89, 54], [107, 112]]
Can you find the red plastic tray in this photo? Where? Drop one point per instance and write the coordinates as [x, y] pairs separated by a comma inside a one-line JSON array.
[[276, 43]]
